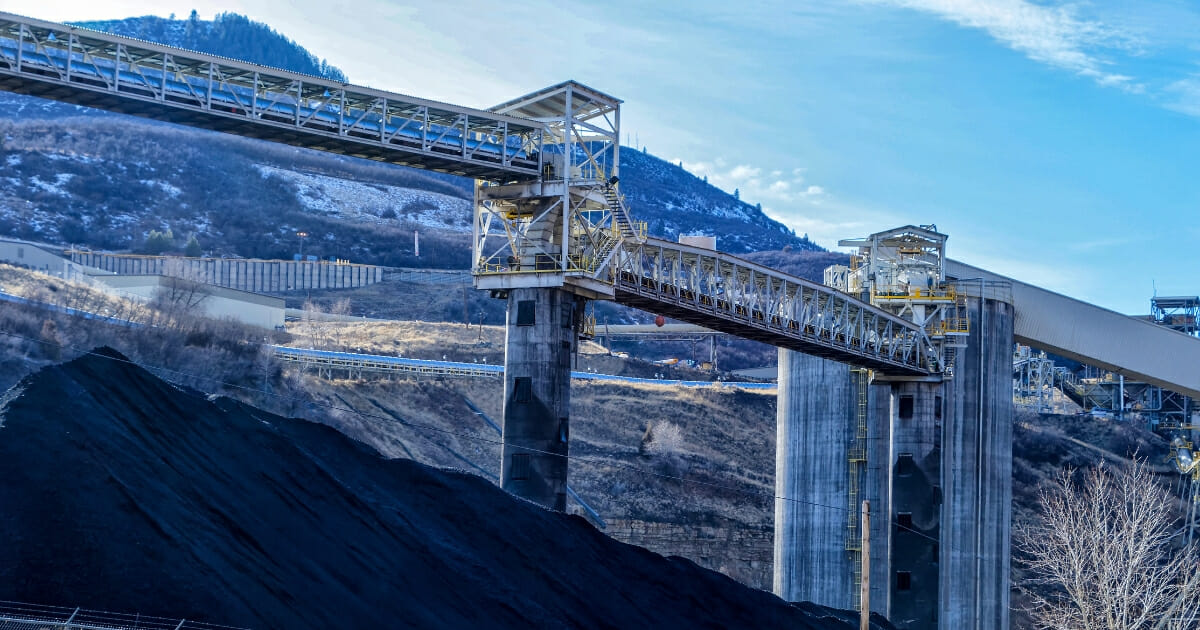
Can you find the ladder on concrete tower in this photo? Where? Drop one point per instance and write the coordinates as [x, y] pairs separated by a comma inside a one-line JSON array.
[[956, 326], [857, 460]]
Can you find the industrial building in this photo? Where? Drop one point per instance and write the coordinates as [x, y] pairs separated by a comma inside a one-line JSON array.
[[208, 300], [41, 258]]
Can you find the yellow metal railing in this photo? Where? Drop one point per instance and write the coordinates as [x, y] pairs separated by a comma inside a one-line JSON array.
[[955, 326], [938, 295]]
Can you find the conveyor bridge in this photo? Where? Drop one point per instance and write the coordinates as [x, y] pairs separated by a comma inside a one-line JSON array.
[[526, 147], [727, 294], [1135, 347], [86, 67]]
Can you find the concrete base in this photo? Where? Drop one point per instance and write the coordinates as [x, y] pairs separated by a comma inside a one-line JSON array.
[[539, 345]]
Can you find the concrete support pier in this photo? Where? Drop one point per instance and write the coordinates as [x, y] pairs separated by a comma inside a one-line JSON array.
[[977, 470], [915, 510], [815, 425], [877, 488], [540, 342]]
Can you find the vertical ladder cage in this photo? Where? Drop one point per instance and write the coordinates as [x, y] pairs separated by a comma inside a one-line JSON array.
[[857, 461]]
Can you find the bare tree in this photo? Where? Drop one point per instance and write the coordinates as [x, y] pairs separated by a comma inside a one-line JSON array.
[[1104, 554], [340, 308], [183, 287], [312, 325], [666, 438]]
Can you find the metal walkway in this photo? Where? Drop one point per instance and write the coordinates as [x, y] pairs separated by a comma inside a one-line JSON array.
[[353, 362], [23, 616], [131, 76], [1097, 336], [126, 75], [727, 294]]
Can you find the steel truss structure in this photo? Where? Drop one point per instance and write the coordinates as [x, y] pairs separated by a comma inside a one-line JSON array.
[[565, 227], [1034, 378], [727, 294], [548, 212], [1177, 313], [131, 76], [355, 365]]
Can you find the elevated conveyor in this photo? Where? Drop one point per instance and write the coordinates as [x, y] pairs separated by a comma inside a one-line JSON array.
[[727, 294], [131, 76], [565, 135], [1097, 336]]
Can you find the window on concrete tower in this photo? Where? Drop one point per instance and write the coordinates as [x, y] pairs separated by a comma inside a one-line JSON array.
[[523, 389], [520, 467], [525, 315], [905, 465], [903, 580], [906, 407]]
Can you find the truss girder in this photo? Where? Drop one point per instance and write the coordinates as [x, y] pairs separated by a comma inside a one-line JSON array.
[[130, 76], [727, 294]]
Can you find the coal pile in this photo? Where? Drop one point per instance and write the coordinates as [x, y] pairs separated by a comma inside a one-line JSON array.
[[123, 492]]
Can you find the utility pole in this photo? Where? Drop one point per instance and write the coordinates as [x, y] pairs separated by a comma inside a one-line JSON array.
[[864, 615]]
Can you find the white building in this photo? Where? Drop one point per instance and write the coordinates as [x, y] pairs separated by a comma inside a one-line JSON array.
[[208, 299], [40, 258]]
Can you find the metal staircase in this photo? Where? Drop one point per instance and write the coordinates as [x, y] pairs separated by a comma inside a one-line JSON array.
[[620, 213]]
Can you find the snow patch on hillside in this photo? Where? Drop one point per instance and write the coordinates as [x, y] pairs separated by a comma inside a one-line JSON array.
[[55, 187], [374, 203], [172, 191]]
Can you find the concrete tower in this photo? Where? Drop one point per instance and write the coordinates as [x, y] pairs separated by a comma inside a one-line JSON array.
[[977, 469], [539, 344]]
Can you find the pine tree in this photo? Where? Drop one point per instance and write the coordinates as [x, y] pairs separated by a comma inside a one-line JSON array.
[[192, 249]]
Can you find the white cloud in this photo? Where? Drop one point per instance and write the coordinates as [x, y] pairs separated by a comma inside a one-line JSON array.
[[1183, 96], [1054, 35], [772, 191], [786, 196]]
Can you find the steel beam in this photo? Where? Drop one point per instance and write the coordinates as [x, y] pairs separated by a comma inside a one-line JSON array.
[[85, 67]]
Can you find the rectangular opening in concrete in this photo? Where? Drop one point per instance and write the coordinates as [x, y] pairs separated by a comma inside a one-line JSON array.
[[903, 580], [523, 389], [906, 407], [937, 407], [904, 465], [525, 313], [904, 521], [520, 467], [566, 311]]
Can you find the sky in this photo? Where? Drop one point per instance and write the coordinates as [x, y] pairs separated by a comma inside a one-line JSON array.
[[1054, 142]]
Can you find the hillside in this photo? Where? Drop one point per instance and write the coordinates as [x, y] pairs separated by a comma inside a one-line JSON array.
[[228, 35], [84, 177], [162, 501]]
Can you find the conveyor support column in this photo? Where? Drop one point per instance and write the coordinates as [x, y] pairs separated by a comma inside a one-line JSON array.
[[539, 344], [815, 425]]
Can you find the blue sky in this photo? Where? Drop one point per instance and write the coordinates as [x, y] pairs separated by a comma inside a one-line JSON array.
[[1058, 143]]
